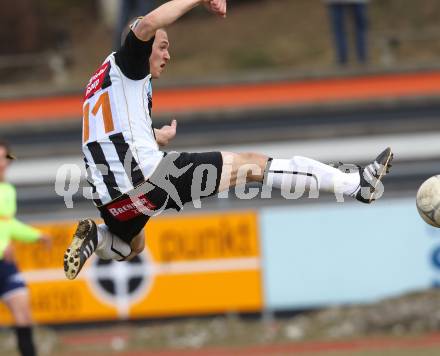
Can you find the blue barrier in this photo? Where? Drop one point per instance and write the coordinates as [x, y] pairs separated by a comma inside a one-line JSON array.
[[326, 254]]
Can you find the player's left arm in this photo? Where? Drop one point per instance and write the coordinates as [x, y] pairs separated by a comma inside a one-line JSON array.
[[170, 12], [165, 134]]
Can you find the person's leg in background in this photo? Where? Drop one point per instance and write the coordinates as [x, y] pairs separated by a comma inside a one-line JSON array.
[[361, 24], [145, 6], [337, 18], [126, 11], [18, 303]]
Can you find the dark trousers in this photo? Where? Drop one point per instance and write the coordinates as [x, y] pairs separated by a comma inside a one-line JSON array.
[[130, 9], [25, 341], [338, 14]]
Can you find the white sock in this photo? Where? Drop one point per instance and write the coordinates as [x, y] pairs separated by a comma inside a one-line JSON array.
[[300, 174], [110, 246]]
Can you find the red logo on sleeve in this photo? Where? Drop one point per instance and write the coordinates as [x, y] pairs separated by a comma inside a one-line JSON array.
[[96, 81]]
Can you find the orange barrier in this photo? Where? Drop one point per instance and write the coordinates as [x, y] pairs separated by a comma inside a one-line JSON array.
[[198, 264], [242, 96]]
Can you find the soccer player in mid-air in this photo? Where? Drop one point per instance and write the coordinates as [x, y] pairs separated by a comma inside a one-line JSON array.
[[132, 179]]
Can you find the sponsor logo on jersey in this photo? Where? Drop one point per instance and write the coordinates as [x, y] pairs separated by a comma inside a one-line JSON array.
[[96, 81], [127, 209]]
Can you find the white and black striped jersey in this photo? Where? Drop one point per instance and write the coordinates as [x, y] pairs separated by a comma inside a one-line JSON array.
[[119, 146]]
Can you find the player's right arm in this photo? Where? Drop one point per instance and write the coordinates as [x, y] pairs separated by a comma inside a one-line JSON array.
[[26, 233], [169, 12]]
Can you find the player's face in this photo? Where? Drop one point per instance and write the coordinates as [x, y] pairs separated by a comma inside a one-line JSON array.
[[159, 55], [4, 162]]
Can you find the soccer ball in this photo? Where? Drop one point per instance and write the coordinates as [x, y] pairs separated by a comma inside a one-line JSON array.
[[428, 201]]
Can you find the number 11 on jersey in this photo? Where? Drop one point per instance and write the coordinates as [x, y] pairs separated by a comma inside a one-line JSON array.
[[102, 105]]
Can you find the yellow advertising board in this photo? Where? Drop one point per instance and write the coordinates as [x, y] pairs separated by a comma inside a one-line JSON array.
[[193, 264]]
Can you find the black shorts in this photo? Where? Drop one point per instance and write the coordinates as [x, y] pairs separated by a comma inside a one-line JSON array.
[[178, 179]]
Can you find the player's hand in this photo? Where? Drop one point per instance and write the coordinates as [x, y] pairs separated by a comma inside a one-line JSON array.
[[217, 7], [8, 254], [165, 134], [45, 240]]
